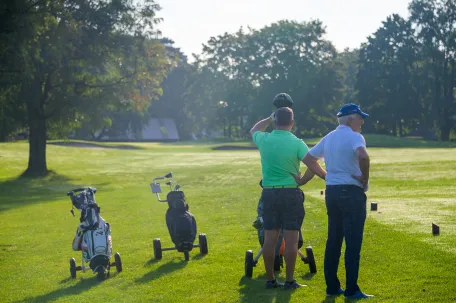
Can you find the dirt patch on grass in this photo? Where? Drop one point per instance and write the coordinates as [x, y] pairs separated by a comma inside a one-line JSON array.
[[234, 147], [94, 145]]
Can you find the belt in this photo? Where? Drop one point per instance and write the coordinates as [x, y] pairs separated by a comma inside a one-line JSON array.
[[342, 185], [281, 186]]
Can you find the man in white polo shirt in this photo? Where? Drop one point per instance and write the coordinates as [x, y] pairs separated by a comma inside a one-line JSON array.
[[347, 176]]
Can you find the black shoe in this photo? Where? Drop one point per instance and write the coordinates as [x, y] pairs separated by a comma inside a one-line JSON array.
[[358, 295], [293, 285], [273, 284], [338, 293]]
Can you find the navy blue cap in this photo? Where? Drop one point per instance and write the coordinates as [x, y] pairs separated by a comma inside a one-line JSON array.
[[349, 109]]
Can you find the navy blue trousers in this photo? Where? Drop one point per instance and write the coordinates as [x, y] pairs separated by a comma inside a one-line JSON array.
[[346, 208]]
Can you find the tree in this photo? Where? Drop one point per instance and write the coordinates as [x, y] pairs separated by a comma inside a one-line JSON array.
[[435, 22], [76, 59], [286, 56], [348, 60], [385, 77], [11, 117]]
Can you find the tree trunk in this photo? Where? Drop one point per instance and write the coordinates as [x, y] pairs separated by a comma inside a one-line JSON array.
[[448, 99], [2, 131], [393, 126], [37, 125], [446, 126], [445, 132]]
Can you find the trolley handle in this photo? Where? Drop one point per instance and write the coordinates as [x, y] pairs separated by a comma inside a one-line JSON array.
[[156, 187], [71, 192], [167, 176]]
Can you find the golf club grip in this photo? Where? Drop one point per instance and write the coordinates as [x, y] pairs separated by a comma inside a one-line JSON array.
[[168, 175], [158, 178]]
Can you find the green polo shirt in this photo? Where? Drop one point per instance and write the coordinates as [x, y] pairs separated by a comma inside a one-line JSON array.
[[281, 154]]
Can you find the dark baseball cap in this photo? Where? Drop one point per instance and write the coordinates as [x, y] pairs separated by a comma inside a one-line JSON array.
[[349, 109]]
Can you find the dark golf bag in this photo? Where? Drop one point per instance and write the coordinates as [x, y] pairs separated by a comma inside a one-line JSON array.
[[181, 223]]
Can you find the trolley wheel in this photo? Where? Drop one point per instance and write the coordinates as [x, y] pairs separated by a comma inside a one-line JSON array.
[[157, 249], [248, 265], [311, 259], [73, 268], [203, 244], [118, 262], [101, 273]]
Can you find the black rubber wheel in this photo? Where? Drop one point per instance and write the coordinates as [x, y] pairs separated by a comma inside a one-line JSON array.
[[203, 244], [186, 255], [278, 262], [311, 259], [248, 265], [73, 268], [118, 262], [157, 249], [101, 273]]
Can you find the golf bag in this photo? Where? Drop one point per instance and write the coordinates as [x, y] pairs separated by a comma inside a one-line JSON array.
[[181, 223], [93, 235]]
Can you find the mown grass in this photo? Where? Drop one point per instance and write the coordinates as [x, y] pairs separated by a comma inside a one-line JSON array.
[[400, 262]]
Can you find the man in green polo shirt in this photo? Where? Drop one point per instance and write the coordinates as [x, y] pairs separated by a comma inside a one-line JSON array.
[[283, 201]]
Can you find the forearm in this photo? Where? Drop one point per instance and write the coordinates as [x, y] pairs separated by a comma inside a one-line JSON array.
[[261, 125], [317, 169], [364, 165], [308, 175], [312, 163]]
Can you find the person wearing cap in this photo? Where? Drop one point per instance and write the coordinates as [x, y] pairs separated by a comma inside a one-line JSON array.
[[347, 178], [283, 201]]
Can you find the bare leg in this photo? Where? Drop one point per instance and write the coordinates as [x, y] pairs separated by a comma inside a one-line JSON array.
[[291, 250], [270, 240]]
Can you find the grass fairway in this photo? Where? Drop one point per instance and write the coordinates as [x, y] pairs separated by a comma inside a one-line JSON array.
[[400, 261]]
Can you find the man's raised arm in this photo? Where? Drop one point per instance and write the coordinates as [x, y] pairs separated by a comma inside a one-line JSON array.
[[262, 124]]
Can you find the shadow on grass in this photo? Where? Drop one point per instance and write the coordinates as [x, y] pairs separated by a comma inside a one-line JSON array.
[[12, 248], [162, 270], [308, 276], [150, 262], [94, 145], [81, 286], [255, 291], [198, 257], [329, 300], [24, 190]]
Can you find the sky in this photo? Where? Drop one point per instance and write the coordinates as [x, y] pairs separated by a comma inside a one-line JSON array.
[[190, 23]]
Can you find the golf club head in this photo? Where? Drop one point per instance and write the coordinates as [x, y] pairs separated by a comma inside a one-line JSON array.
[[177, 187], [169, 175]]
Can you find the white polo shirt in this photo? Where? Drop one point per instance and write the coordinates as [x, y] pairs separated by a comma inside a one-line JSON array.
[[338, 148]]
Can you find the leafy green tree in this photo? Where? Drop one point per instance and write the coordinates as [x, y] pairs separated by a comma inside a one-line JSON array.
[[386, 76], [435, 21], [78, 59], [11, 116], [286, 56], [348, 60]]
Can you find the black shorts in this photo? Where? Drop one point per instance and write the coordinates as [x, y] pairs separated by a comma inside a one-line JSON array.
[[283, 208]]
